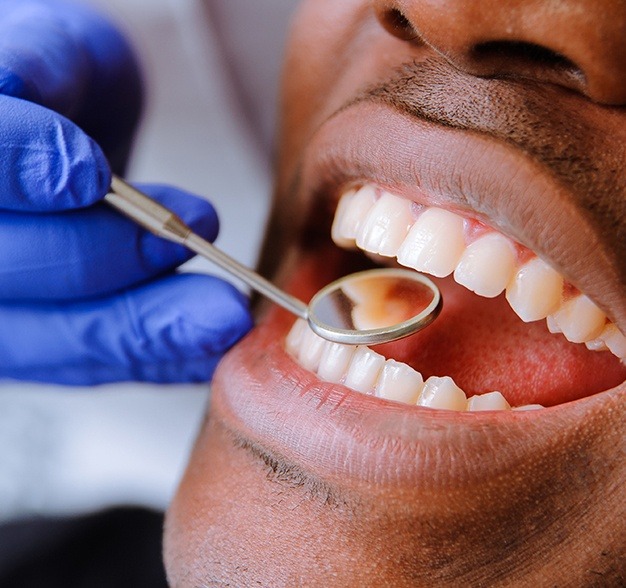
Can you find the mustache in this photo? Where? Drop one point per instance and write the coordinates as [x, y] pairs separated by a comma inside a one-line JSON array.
[[521, 113]]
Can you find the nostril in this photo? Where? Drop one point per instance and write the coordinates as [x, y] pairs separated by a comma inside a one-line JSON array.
[[511, 57], [397, 24]]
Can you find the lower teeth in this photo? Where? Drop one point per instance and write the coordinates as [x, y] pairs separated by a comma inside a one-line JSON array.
[[366, 371]]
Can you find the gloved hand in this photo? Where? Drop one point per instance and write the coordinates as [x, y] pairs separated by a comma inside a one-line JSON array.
[[86, 296]]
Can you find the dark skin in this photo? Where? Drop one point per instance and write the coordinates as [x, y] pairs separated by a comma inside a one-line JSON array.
[[509, 113]]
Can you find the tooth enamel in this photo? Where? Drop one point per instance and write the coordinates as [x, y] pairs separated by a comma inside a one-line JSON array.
[[489, 401], [579, 319], [442, 393], [363, 371], [386, 225], [535, 290], [311, 348], [399, 382], [335, 361], [487, 265], [294, 337], [434, 244], [354, 209], [614, 340]]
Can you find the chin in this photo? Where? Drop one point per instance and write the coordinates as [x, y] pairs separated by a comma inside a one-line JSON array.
[[486, 450]]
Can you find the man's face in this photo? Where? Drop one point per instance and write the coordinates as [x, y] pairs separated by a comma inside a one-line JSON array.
[[482, 142]]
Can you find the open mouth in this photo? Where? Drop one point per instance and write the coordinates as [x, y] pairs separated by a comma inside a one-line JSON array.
[[514, 334], [441, 243]]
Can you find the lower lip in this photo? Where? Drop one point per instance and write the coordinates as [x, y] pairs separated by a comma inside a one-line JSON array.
[[331, 431]]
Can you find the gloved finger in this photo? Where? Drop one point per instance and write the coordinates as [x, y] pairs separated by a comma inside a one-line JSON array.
[[67, 57], [46, 162], [92, 251], [172, 330]]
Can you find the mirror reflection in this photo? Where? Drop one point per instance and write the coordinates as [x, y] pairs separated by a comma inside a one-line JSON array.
[[372, 301]]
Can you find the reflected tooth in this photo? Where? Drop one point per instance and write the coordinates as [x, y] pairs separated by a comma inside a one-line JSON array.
[[311, 348], [442, 393], [487, 265], [434, 244], [399, 382], [528, 407], [294, 337], [535, 290], [614, 340], [579, 319], [363, 371], [352, 213], [334, 361], [489, 401], [386, 225]]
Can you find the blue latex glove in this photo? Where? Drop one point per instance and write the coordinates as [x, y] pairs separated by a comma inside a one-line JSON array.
[[86, 296]]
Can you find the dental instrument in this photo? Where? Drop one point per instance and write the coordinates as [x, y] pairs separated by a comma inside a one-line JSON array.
[[369, 307]]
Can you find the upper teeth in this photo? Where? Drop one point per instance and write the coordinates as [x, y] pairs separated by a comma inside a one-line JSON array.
[[439, 242]]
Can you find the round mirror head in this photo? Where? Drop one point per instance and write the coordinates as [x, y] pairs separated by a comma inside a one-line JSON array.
[[374, 306]]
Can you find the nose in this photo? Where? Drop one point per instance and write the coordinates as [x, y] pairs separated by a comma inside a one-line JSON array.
[[579, 44]]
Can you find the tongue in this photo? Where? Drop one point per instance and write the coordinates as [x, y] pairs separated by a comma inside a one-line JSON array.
[[484, 346]]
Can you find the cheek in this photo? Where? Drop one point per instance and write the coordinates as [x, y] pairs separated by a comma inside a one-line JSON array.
[[235, 521]]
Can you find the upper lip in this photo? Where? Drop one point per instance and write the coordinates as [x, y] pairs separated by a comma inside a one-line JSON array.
[[477, 174]]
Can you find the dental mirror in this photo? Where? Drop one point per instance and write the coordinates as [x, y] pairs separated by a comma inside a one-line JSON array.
[[369, 307]]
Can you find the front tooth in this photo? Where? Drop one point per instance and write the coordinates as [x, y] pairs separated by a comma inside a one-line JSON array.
[[351, 212], [398, 381], [489, 401], [442, 393], [363, 371], [579, 319], [487, 265], [334, 361], [434, 244], [311, 349], [386, 225], [535, 290], [294, 337]]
